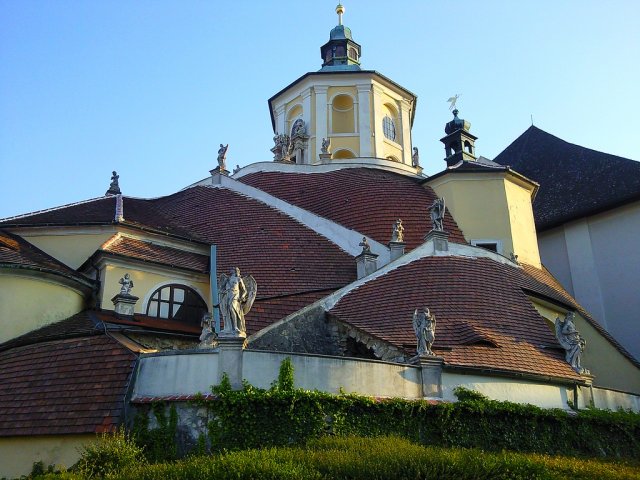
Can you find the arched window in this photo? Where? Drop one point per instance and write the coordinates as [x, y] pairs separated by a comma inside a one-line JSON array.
[[389, 128], [353, 53], [177, 302], [342, 115], [390, 122]]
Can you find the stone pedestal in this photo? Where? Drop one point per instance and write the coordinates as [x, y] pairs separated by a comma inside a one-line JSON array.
[[124, 304], [431, 373], [366, 264], [230, 358], [440, 240], [396, 250], [325, 158], [219, 171]]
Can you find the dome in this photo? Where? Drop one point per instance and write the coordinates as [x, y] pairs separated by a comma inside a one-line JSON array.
[[340, 32]]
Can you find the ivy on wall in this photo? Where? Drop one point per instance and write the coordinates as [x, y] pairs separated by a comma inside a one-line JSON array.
[[284, 415]]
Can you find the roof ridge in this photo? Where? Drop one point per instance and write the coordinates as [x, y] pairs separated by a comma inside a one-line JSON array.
[[53, 209]]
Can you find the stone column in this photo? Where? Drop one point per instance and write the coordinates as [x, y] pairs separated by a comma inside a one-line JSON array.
[[396, 249], [431, 373], [321, 117], [366, 264], [364, 120], [440, 240], [230, 358]]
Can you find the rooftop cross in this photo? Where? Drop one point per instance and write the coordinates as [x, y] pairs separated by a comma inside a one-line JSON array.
[[339, 11]]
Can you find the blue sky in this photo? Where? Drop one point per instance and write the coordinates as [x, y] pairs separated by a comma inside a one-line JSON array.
[[151, 88]]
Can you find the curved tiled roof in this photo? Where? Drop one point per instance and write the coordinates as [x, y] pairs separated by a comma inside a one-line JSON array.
[[574, 181], [363, 199], [67, 386], [484, 318]]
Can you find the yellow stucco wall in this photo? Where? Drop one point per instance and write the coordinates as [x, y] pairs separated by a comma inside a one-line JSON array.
[[392, 149], [349, 143], [479, 205], [609, 367], [71, 250], [27, 303], [523, 228], [492, 207], [18, 454], [144, 283]]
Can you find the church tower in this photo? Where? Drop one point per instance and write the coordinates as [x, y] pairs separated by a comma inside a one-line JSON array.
[[358, 113]]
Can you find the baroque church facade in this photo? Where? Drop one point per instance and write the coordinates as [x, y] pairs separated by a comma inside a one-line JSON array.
[[372, 277]]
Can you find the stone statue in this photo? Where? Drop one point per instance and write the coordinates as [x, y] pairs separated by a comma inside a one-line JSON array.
[[437, 214], [222, 157], [415, 158], [237, 169], [326, 145], [366, 248], [514, 258], [299, 128], [237, 295], [424, 325], [571, 341], [282, 148], [208, 335], [398, 232], [114, 188], [127, 284]]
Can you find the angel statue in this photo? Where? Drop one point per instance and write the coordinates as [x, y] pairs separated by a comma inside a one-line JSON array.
[[424, 324], [437, 214], [452, 101], [127, 284], [571, 341], [326, 145], [237, 295]]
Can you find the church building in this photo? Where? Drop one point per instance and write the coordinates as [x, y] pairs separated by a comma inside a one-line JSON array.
[[337, 252]]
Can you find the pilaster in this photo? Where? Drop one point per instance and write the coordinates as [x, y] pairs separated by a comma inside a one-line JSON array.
[[281, 119], [377, 122], [364, 119], [405, 119], [321, 117]]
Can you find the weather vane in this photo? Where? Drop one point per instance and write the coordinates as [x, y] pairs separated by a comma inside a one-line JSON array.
[[452, 101]]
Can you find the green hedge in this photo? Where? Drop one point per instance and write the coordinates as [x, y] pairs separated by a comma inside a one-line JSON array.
[[283, 415]]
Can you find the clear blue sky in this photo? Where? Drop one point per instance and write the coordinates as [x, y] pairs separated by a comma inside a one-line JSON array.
[[150, 88]]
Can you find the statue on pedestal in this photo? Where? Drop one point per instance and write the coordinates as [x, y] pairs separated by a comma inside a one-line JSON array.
[[237, 295], [424, 325], [127, 284], [398, 232], [437, 214], [222, 157], [415, 158], [208, 335]]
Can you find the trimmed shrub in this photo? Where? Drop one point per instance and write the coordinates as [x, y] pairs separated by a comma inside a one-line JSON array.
[[110, 454]]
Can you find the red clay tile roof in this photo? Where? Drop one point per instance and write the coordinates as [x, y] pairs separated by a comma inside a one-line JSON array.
[[96, 211], [151, 252], [478, 303], [69, 386], [364, 199], [16, 251]]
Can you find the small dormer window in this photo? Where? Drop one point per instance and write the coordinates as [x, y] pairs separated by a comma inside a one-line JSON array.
[[493, 245], [389, 128]]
